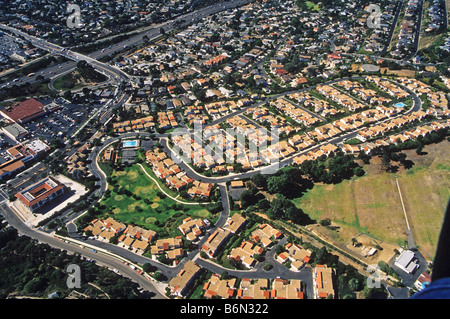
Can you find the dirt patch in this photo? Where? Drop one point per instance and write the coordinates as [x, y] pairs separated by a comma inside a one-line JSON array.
[[403, 72], [371, 250], [154, 205], [132, 175]]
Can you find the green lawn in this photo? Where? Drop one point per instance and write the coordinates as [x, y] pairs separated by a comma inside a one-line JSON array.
[[313, 6], [371, 204], [143, 207]]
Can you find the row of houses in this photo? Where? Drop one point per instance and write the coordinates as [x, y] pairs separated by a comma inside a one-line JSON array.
[[166, 120], [221, 108], [296, 255], [297, 114], [221, 235], [391, 88], [316, 105], [367, 95], [167, 170], [142, 124], [260, 239], [384, 127], [171, 248], [195, 116], [324, 285], [253, 289], [379, 36], [262, 115], [342, 99], [436, 99]]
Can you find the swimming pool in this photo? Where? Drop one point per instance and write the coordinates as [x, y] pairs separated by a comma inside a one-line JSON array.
[[129, 144]]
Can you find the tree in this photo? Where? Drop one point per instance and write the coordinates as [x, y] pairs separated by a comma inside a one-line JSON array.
[[260, 180], [354, 284], [250, 197], [283, 208], [158, 276], [147, 267], [290, 183], [419, 149], [358, 171]]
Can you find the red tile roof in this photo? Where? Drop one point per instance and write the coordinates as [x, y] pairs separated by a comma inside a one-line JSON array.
[[25, 111]]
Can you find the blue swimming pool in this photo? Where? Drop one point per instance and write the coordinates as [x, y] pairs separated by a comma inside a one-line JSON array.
[[129, 144]]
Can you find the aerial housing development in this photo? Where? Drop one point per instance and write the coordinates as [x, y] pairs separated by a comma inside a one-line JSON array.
[[230, 150]]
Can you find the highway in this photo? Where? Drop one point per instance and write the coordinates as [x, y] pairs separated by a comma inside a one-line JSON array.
[[152, 32]]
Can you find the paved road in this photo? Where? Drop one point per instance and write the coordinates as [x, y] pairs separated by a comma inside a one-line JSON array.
[[152, 32], [102, 259], [119, 76], [398, 9]]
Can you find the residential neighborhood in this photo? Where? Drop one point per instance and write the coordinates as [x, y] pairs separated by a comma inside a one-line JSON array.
[[232, 150]]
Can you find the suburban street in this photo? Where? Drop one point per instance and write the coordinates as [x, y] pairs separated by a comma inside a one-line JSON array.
[[115, 257]]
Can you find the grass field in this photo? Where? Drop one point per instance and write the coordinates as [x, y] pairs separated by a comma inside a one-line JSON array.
[[371, 204], [74, 81], [143, 206]]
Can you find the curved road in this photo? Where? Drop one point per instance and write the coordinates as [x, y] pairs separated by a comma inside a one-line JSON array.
[[119, 76]]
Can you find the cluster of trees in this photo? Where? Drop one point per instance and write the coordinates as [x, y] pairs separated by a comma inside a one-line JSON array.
[[286, 184], [88, 73], [290, 183], [332, 169], [29, 268], [392, 152]]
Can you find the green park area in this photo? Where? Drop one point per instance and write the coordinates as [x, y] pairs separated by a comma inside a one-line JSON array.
[[371, 204], [134, 198], [83, 75]]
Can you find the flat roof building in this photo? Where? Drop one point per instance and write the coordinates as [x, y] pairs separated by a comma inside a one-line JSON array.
[[15, 131], [407, 262], [40, 193], [26, 111]]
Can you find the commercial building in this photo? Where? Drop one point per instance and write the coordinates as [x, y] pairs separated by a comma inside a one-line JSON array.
[[407, 262], [26, 111], [15, 131], [40, 193]]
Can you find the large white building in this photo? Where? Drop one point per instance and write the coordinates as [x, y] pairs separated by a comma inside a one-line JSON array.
[[407, 261]]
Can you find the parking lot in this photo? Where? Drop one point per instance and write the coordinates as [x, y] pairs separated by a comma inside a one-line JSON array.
[[61, 123]]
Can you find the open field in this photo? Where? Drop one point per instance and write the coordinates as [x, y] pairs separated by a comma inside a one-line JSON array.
[[402, 72], [371, 204], [146, 206]]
